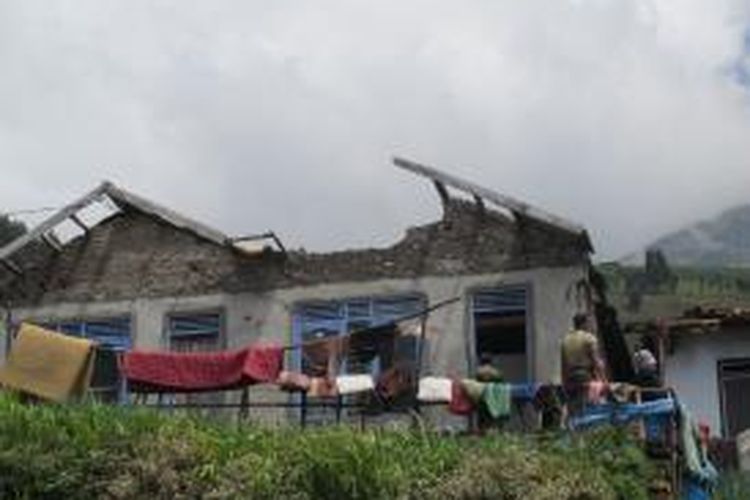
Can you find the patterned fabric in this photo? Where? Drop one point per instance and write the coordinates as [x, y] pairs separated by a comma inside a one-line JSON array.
[[152, 371]]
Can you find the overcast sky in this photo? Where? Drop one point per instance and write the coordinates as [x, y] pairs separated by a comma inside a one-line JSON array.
[[631, 117]]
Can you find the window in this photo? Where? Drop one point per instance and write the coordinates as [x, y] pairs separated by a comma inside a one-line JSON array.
[[318, 320], [500, 325], [112, 336], [734, 385], [194, 332]]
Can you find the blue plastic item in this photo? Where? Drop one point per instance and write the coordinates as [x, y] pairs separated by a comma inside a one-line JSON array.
[[692, 490]]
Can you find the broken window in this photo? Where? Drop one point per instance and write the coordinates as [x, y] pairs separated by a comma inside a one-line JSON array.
[[369, 353], [320, 320], [112, 336], [194, 332], [734, 383], [500, 331]]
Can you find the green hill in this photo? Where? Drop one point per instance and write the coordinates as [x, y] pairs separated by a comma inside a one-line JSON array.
[[721, 242], [637, 296]]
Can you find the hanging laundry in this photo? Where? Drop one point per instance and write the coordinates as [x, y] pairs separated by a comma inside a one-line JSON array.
[[48, 365], [435, 390], [293, 382], [263, 363], [489, 373], [497, 399], [473, 390], [623, 393], [323, 358], [354, 384], [596, 392], [549, 401], [460, 403], [364, 347], [525, 392], [396, 382], [156, 371], [697, 463], [322, 387]]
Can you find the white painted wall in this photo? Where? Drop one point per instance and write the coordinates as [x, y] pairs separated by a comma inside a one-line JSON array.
[[692, 370]]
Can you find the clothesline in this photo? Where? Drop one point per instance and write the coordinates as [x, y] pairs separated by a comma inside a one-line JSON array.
[[370, 329], [211, 371]]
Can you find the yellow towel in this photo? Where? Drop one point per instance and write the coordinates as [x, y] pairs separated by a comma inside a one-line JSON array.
[[48, 365]]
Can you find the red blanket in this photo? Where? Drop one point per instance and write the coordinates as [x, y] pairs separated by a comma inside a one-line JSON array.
[[158, 371]]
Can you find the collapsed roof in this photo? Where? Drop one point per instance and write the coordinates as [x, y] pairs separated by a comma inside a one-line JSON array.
[[123, 200], [471, 238], [520, 210]]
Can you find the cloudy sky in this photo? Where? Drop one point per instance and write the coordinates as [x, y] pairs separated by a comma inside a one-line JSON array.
[[631, 117]]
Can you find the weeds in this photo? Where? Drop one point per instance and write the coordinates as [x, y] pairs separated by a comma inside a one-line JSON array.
[[109, 452]]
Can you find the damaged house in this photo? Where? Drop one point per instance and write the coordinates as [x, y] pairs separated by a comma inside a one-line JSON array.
[[143, 276]]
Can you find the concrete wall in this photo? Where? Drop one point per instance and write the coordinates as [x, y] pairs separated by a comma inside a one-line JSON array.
[[268, 316], [693, 371]]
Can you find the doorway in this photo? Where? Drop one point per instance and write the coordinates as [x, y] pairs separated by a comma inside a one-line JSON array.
[[734, 386], [501, 324]]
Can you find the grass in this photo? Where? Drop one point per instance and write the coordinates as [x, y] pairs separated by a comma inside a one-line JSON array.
[[734, 486], [107, 452]]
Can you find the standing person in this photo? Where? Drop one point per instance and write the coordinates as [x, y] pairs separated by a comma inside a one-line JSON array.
[[646, 366], [581, 362]]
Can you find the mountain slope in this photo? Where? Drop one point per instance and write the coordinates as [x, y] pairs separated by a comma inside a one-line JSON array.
[[721, 242]]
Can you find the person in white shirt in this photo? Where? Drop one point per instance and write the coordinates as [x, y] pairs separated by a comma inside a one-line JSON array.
[[645, 364]]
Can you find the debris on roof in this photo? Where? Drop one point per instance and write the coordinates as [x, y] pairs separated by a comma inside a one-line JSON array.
[[695, 321], [123, 200], [519, 209]]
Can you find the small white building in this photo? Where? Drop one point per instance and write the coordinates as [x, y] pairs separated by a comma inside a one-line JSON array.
[[705, 357]]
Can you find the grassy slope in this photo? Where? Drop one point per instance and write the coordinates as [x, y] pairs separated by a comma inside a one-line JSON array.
[[711, 287], [94, 452]]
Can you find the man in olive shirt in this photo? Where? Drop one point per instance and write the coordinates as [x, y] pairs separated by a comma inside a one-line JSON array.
[[581, 362]]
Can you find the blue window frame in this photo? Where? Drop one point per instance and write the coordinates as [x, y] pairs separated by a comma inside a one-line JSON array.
[[500, 318], [321, 319], [194, 331], [195, 325], [113, 336], [109, 333]]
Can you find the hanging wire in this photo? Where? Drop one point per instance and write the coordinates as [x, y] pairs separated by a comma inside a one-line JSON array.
[[29, 211]]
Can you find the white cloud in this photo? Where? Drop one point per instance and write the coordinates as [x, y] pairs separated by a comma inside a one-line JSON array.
[[251, 115]]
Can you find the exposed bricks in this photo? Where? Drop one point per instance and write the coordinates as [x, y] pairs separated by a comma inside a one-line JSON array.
[[133, 255]]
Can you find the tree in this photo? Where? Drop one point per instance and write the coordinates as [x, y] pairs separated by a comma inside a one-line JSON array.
[[10, 229], [659, 275]]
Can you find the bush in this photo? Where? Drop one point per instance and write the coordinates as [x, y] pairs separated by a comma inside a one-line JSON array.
[[110, 452]]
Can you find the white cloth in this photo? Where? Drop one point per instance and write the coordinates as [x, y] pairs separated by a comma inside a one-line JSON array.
[[435, 390], [353, 384]]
